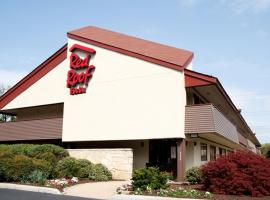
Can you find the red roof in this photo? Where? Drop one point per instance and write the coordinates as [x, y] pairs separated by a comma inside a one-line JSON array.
[[146, 50]]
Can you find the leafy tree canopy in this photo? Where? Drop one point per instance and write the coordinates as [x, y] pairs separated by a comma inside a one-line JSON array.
[[266, 150]]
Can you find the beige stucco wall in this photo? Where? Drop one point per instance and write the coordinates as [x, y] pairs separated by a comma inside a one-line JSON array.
[[118, 161]]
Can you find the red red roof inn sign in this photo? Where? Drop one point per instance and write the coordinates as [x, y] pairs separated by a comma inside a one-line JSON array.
[[80, 70]]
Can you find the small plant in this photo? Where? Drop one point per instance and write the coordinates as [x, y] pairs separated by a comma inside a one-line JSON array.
[[182, 193], [138, 191], [193, 175], [37, 177], [150, 177]]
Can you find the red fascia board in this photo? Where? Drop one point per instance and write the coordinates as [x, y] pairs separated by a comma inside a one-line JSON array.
[[193, 79], [130, 53], [34, 76]]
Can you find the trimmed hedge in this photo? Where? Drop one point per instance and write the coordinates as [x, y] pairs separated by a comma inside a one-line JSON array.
[[239, 173]]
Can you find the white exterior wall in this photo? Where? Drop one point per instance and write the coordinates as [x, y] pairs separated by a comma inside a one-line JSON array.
[[127, 99], [49, 89], [193, 152]]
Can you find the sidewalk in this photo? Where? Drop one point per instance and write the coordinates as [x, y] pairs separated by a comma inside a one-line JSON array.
[[97, 190]]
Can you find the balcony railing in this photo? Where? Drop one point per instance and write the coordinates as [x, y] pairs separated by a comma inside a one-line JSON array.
[[206, 118], [38, 129]]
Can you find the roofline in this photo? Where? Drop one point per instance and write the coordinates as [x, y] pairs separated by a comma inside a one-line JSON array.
[[34, 76], [132, 54], [216, 82]]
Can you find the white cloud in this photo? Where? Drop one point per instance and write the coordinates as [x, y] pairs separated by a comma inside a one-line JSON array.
[[11, 77], [242, 6]]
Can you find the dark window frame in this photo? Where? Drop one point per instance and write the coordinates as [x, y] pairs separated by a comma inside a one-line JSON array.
[[204, 152]]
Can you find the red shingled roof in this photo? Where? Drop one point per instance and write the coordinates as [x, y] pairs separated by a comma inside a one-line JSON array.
[[146, 50]]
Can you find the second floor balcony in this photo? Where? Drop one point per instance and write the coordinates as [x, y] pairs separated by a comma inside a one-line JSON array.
[[206, 121]]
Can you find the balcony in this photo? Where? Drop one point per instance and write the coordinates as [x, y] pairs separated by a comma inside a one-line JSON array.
[[38, 129], [209, 123]]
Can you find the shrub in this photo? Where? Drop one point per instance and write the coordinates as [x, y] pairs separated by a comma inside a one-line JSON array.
[[266, 150], [149, 177], [193, 175], [42, 166], [39, 150], [85, 167], [239, 173], [18, 167], [67, 167], [37, 177], [99, 172], [16, 149]]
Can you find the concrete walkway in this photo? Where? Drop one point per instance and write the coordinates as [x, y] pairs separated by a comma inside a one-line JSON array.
[[98, 190]]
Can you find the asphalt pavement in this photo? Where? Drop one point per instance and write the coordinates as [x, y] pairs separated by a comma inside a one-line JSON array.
[[9, 194]]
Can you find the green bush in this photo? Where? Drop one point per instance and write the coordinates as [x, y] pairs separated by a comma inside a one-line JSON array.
[[19, 160], [265, 149], [18, 167], [67, 167], [43, 166], [193, 175], [17, 149], [32, 150], [150, 177], [39, 150], [99, 172], [85, 167], [37, 177]]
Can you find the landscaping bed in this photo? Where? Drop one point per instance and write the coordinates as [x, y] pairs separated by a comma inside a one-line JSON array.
[[47, 165]]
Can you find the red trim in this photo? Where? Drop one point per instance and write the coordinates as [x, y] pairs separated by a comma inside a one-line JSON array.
[[193, 79], [34, 76], [77, 46], [129, 53]]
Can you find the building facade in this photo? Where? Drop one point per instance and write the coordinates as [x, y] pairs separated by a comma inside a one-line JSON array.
[[127, 103]]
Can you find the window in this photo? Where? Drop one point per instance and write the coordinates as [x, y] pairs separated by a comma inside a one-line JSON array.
[[222, 151], [203, 152], [212, 152]]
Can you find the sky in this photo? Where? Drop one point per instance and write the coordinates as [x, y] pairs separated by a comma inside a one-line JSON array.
[[230, 39]]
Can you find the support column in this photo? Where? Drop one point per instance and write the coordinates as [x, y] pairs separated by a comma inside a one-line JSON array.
[[181, 153]]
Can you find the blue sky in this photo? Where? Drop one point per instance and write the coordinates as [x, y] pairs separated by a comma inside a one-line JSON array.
[[230, 39]]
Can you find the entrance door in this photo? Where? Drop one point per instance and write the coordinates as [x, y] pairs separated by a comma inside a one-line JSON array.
[[162, 154]]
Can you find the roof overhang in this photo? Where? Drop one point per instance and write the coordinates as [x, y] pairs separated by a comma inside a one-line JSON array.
[[210, 89]]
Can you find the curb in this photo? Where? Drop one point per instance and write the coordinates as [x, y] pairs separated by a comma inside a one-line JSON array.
[[143, 197], [29, 188]]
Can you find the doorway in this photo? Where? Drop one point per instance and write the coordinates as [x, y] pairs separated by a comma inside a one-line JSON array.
[[163, 154]]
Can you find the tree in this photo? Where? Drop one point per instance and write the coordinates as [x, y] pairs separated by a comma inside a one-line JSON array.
[[266, 150], [4, 117]]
